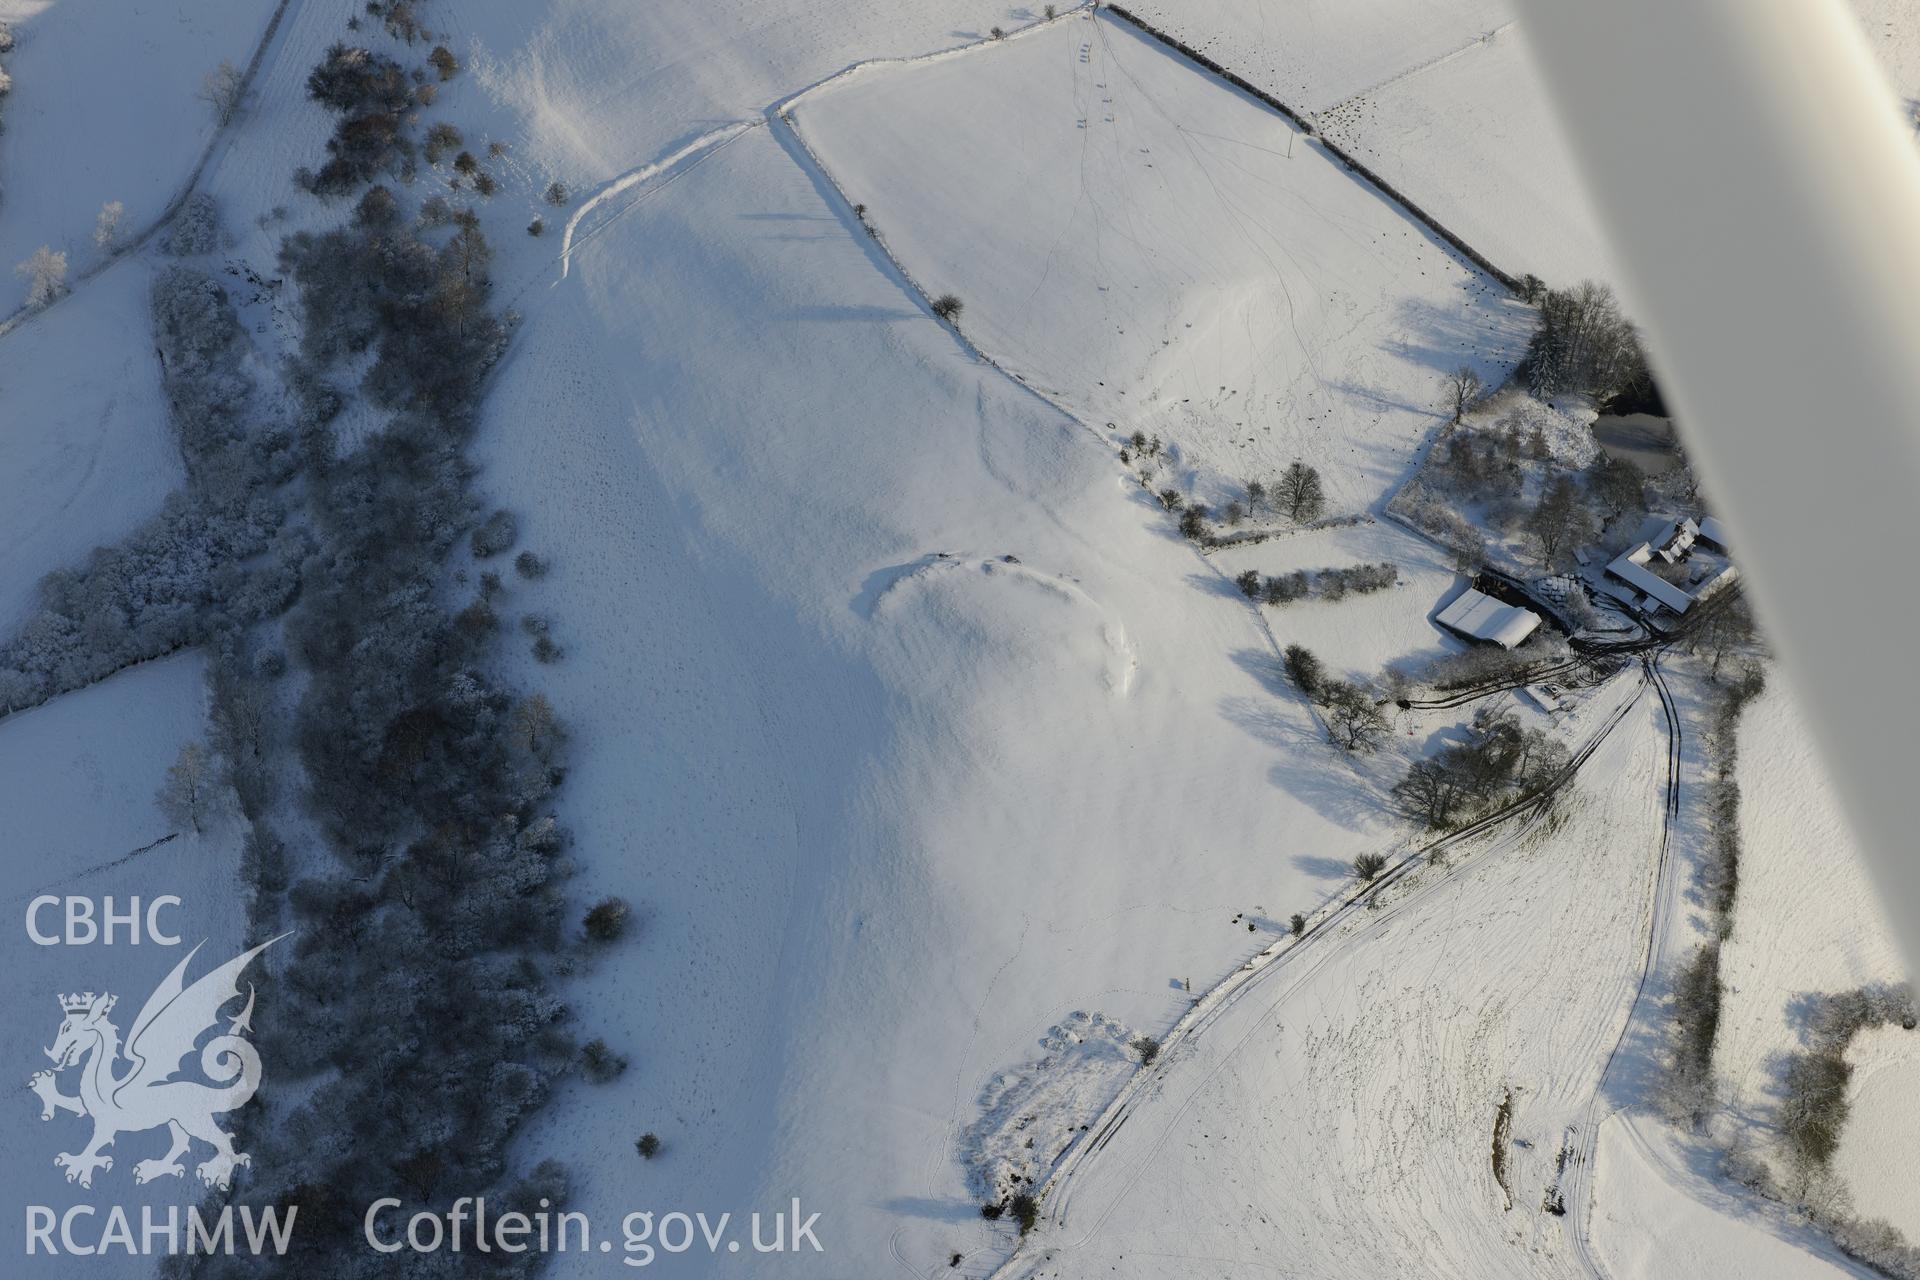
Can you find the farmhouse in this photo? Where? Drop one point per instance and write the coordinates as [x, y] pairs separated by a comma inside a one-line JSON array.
[[1480, 618], [1632, 577]]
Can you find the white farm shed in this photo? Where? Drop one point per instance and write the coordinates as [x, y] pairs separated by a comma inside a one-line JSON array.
[[1474, 615]]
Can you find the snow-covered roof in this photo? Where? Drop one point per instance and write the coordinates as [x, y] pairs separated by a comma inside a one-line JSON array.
[[1478, 616], [1630, 568], [1654, 531], [1725, 578], [1679, 543]]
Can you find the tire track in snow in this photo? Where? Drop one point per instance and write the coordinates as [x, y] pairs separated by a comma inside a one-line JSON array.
[[680, 162], [1578, 1189]]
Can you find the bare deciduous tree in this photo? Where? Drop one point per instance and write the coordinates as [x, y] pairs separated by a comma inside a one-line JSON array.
[[222, 90], [1721, 631], [1560, 522], [184, 792], [1299, 493], [1463, 387], [1352, 718]]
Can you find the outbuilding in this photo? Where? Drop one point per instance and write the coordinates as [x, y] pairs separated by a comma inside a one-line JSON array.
[[1476, 616]]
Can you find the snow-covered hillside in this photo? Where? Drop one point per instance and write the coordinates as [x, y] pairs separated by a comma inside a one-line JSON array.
[[105, 106], [1443, 101], [1164, 254], [938, 767], [905, 800], [85, 447]]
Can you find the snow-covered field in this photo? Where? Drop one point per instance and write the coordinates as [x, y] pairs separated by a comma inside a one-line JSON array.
[[1883, 1126], [1317, 53], [892, 805], [105, 106], [1361, 634], [1472, 138], [1657, 1214], [1339, 1117], [85, 446], [1806, 922], [1443, 101], [77, 782], [1161, 253]]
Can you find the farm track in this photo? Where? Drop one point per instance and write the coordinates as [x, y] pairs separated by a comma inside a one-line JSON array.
[[1578, 1190]]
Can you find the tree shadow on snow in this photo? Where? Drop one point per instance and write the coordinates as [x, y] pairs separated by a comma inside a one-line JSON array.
[[851, 314], [955, 1211], [1323, 868]]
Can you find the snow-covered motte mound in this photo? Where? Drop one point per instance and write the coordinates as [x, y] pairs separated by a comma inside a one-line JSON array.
[[1031, 1113]]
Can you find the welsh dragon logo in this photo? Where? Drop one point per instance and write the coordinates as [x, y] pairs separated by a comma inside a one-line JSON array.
[[146, 1094]]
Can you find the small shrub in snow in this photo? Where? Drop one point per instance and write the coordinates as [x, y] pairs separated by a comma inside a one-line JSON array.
[[648, 1145], [1171, 499], [995, 33], [440, 139], [992, 1212], [106, 227], [477, 620], [1249, 583], [377, 209], [1303, 668], [496, 535], [1369, 865], [530, 565], [1147, 1047], [537, 226], [1287, 587], [6, 38], [45, 272], [1193, 523], [443, 61], [195, 229], [466, 163], [483, 183], [607, 919], [556, 193], [948, 307], [1025, 1210], [545, 650], [1297, 924], [600, 1062]]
